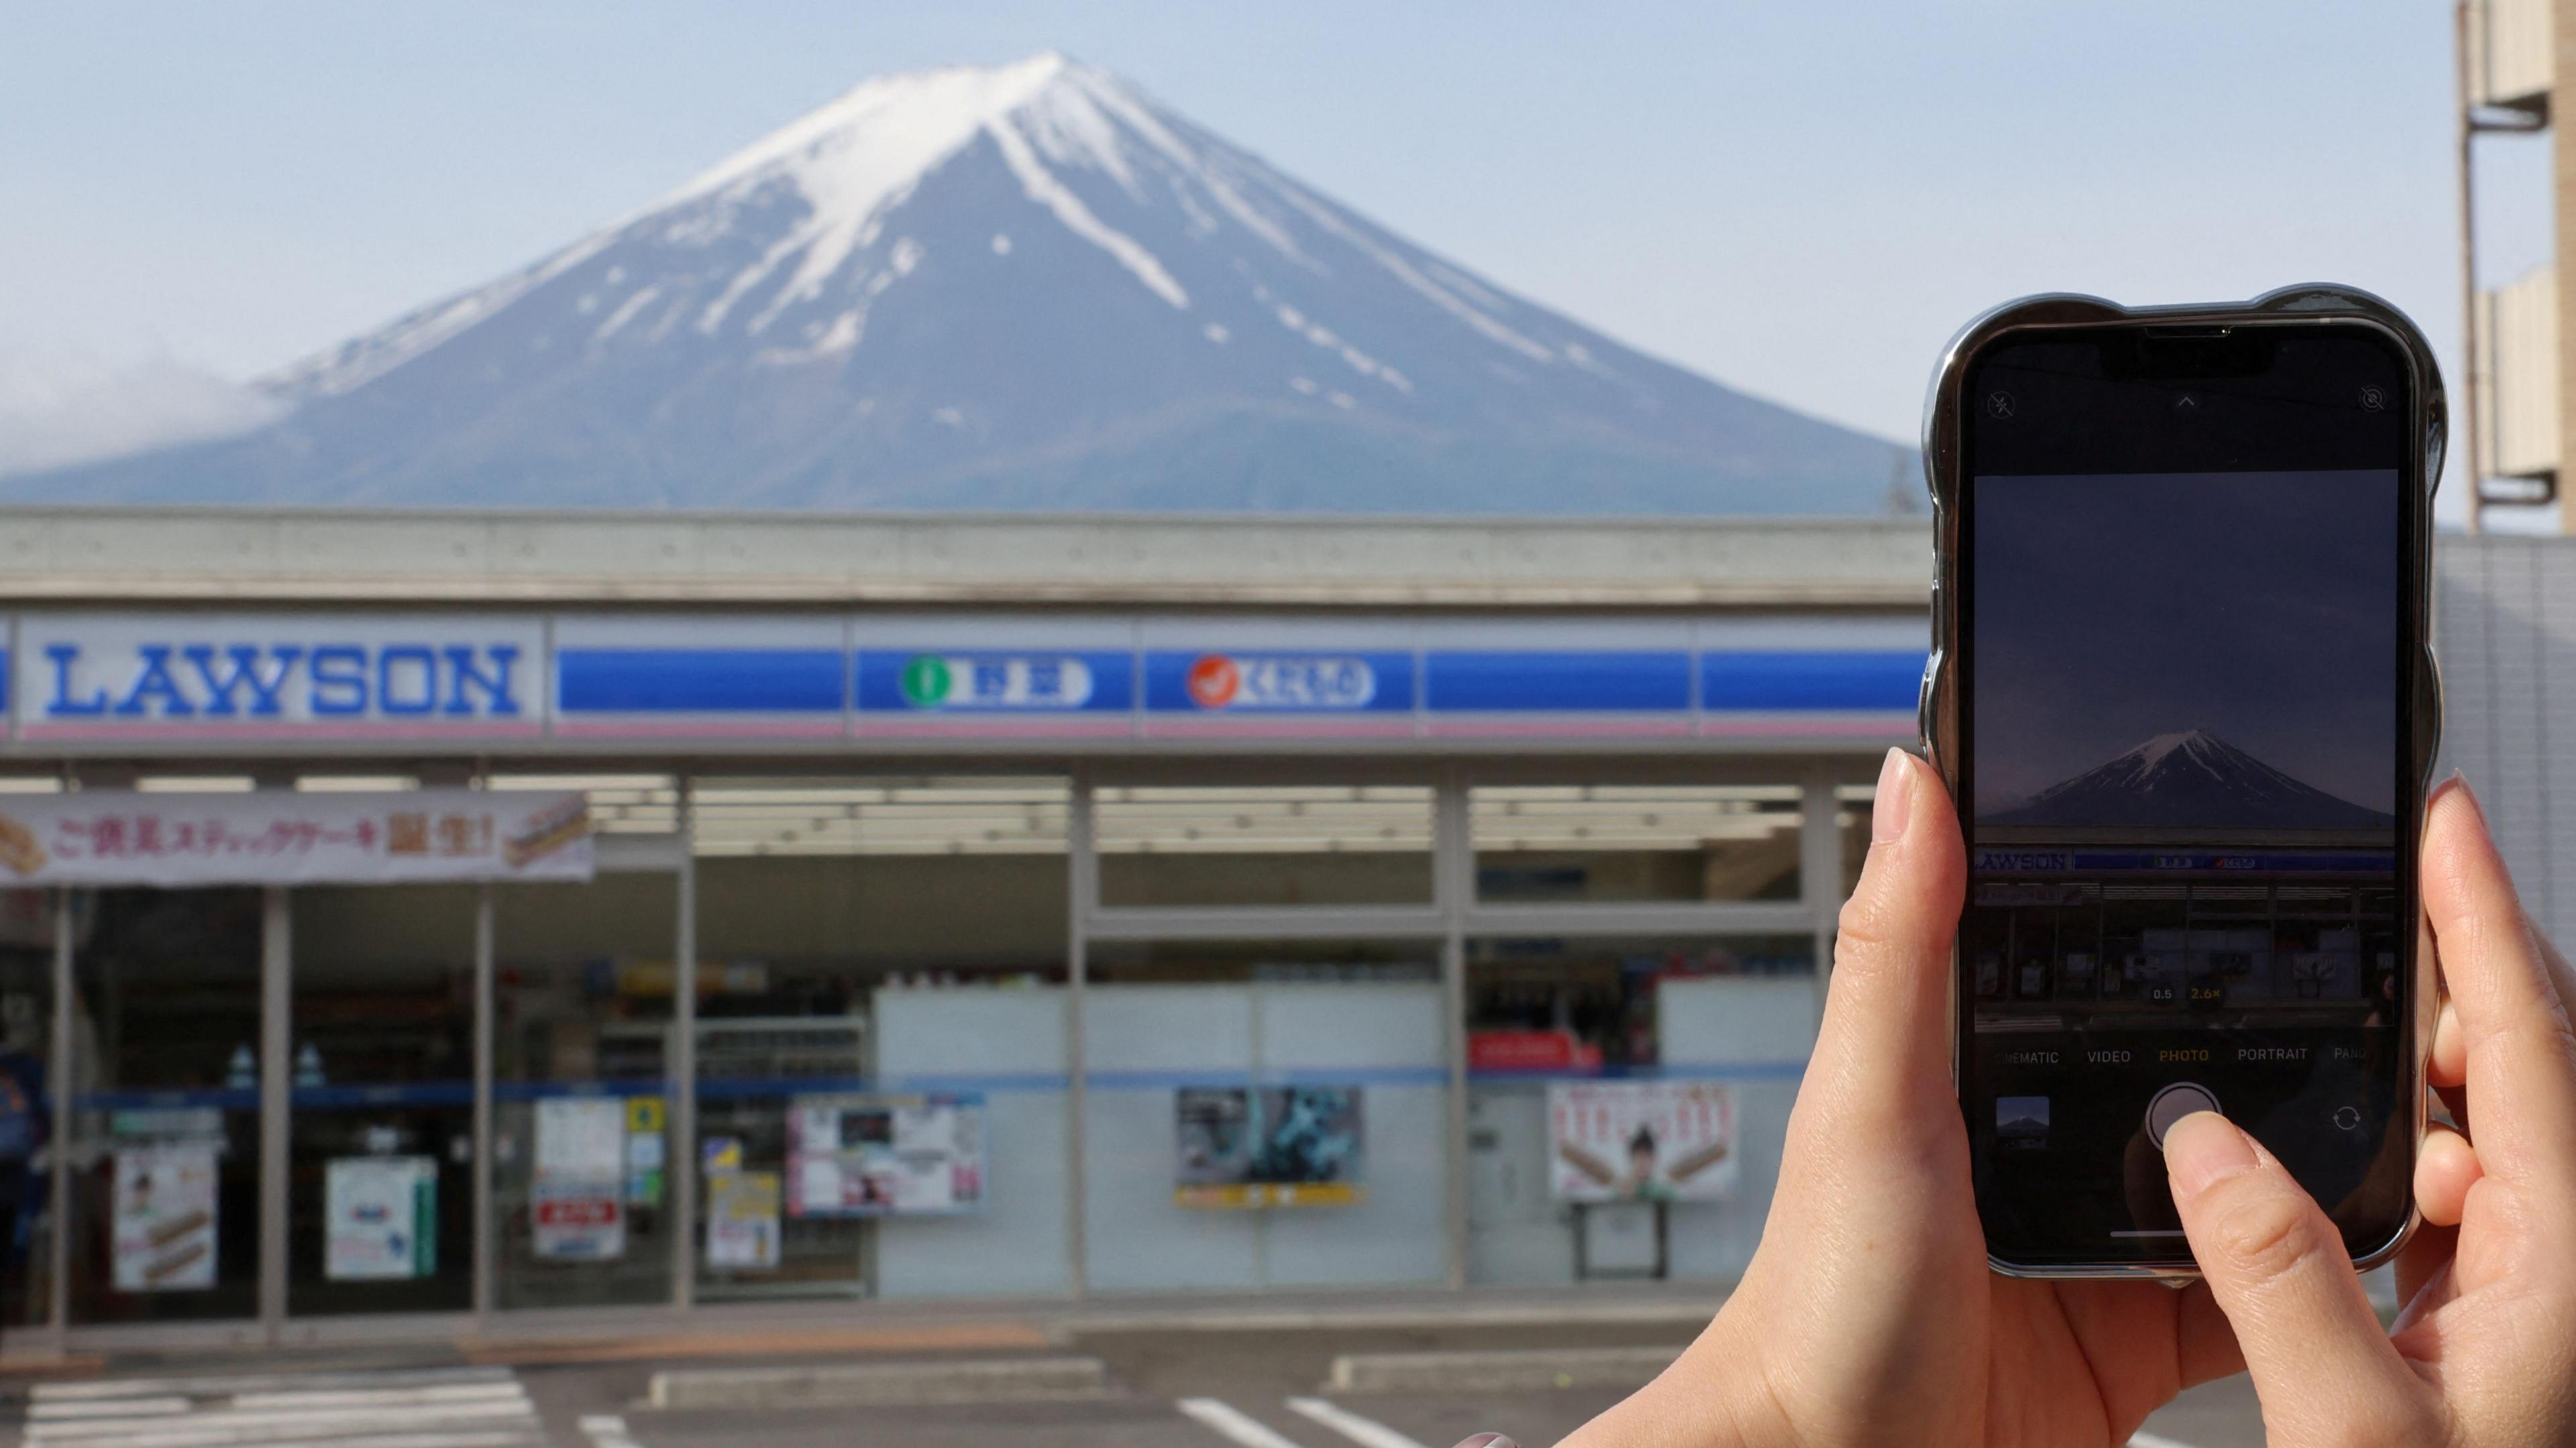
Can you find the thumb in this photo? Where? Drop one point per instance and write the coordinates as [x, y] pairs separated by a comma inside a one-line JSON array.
[[2280, 1272]]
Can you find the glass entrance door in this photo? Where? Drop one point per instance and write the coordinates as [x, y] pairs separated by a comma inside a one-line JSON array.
[[583, 1059], [165, 1156], [28, 921], [373, 1092], [380, 1202]]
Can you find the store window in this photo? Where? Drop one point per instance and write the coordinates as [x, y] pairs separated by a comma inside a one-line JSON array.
[[2142, 932], [165, 1162], [1264, 1114], [1231, 962], [1263, 845], [1627, 1100], [881, 1041], [583, 1060], [26, 1104], [1583, 1005], [1852, 806], [1548, 843], [380, 1204]]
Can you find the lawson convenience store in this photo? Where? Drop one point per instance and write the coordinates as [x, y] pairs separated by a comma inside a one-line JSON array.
[[420, 938]]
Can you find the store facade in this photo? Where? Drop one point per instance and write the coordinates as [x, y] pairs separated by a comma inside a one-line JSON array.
[[764, 943]]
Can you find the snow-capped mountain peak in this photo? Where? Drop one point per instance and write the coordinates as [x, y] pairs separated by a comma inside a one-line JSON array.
[[846, 163], [853, 159], [1010, 286], [2189, 778], [934, 112], [2198, 747]]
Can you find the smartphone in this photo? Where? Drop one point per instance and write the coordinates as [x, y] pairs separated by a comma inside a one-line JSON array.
[[2182, 689]]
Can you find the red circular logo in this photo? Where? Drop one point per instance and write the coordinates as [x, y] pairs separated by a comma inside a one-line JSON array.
[[1213, 681]]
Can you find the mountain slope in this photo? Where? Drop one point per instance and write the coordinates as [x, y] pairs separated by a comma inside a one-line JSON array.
[[1024, 286], [2195, 780]]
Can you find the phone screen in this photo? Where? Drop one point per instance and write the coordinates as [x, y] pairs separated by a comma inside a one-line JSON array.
[[2187, 655]]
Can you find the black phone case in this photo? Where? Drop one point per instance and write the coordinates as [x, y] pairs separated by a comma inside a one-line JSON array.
[[1943, 427]]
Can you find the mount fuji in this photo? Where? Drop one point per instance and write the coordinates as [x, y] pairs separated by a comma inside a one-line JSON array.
[[1016, 287], [2191, 780]]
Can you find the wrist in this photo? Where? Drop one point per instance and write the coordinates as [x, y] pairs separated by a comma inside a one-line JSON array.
[[1728, 1381], [1714, 1395]]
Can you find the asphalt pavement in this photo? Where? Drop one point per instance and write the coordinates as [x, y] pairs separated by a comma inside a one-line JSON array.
[[1166, 1388]]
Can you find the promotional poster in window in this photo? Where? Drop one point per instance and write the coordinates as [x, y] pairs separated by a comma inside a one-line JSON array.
[[1284, 1146]]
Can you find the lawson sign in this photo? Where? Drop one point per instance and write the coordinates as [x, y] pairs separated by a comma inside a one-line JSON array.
[[277, 675], [110, 679]]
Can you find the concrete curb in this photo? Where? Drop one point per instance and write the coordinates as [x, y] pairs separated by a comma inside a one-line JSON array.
[[955, 1380], [892, 1337], [1693, 1309], [1516, 1370]]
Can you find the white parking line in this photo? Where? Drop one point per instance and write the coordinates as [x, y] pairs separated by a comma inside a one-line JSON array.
[[337, 1434], [227, 1386], [607, 1430], [432, 1408], [106, 1408], [1234, 1423], [2150, 1440], [218, 1424], [438, 1397], [1367, 1432]]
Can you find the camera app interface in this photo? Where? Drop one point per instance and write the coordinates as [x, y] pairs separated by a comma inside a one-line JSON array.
[[2182, 832]]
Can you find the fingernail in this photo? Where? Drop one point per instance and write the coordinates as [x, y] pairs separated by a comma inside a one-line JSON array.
[[2458, 784], [2201, 1148], [1894, 806]]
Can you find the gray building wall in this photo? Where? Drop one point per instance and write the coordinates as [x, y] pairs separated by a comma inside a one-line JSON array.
[[2504, 614]]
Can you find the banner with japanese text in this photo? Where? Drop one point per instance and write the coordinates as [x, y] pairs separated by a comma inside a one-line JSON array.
[[117, 837]]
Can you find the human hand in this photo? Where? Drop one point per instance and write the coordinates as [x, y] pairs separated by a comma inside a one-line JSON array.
[[2484, 1352], [1868, 1313]]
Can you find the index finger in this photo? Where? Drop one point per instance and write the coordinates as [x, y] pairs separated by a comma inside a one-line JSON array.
[[2521, 1049], [1882, 1051]]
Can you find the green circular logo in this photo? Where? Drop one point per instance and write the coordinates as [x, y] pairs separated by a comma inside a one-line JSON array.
[[926, 681]]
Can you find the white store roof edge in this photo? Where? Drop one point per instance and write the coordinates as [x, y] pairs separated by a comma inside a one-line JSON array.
[[133, 555]]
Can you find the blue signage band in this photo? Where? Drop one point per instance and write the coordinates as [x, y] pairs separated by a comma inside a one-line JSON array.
[[730, 681], [149, 675]]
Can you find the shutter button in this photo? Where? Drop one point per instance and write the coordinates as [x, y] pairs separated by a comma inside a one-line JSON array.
[[2172, 1104]]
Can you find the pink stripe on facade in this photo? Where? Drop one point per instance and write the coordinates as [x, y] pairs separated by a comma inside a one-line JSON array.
[[1121, 727], [1864, 726], [228, 730], [1559, 727], [831, 728], [1286, 726]]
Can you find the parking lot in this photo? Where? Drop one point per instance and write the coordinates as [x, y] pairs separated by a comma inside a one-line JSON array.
[[1159, 1388]]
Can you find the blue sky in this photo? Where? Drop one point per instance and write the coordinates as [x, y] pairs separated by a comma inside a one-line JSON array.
[[1802, 201]]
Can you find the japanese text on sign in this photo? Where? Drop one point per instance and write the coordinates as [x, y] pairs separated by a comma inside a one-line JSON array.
[[100, 837]]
